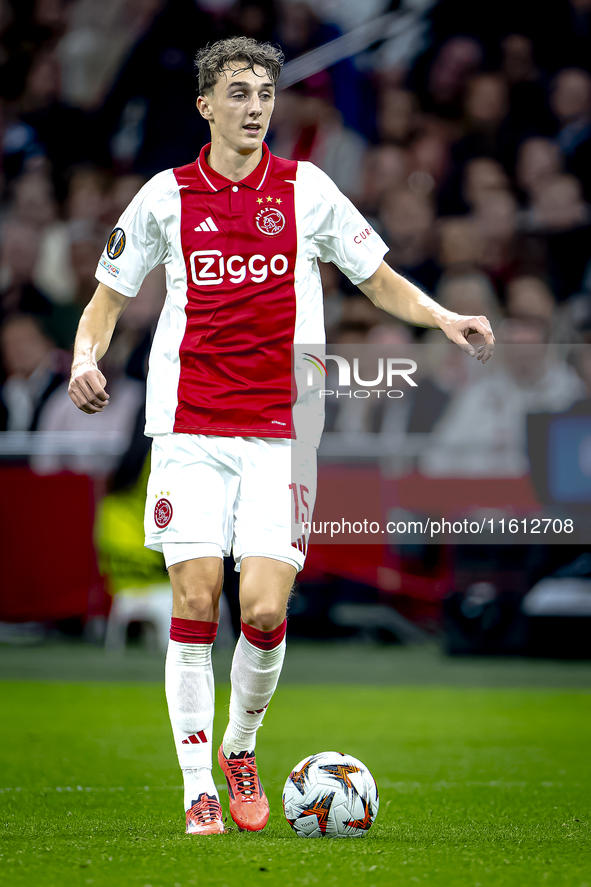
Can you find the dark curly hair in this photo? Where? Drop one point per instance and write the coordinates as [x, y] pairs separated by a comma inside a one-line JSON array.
[[212, 60]]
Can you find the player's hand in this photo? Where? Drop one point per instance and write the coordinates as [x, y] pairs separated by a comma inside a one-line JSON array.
[[459, 328], [87, 389]]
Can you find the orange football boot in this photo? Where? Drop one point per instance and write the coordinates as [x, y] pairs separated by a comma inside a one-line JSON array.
[[249, 807], [205, 816]]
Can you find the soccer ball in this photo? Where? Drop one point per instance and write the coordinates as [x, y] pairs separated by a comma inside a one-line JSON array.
[[330, 795]]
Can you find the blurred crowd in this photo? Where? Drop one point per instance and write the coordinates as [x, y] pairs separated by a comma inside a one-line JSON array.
[[470, 155]]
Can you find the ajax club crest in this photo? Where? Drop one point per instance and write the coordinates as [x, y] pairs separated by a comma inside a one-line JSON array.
[[270, 220], [162, 513]]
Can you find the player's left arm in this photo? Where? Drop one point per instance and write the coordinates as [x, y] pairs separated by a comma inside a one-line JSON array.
[[398, 296]]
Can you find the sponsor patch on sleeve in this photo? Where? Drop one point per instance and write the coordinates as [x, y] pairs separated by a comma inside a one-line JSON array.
[[363, 235], [116, 243], [109, 268]]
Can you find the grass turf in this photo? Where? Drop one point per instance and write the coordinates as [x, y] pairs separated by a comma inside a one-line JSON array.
[[477, 787], [316, 662]]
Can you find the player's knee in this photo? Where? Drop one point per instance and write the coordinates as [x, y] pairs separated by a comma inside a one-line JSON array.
[[199, 603], [265, 618], [196, 600], [196, 587]]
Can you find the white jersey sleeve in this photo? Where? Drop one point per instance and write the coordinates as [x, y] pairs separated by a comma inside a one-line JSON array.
[[137, 243], [341, 234]]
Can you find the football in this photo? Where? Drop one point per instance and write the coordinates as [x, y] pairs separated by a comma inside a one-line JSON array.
[[330, 795]]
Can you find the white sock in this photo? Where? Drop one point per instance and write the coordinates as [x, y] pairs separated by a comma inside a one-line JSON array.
[[254, 676], [190, 695]]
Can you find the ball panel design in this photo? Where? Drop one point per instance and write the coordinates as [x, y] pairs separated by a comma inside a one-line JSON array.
[[330, 795]]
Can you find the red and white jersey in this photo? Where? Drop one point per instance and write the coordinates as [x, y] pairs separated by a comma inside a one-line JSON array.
[[243, 287]]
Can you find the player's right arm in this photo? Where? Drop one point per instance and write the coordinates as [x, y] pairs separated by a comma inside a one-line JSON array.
[[87, 383]]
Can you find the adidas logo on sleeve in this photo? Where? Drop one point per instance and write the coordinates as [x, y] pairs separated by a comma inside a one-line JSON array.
[[207, 225]]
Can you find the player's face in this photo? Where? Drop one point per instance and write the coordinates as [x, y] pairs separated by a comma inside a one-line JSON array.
[[240, 106]]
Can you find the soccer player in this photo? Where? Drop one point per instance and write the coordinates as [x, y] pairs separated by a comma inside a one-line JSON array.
[[239, 232]]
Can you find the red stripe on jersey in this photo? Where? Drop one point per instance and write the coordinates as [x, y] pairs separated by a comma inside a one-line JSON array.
[[235, 356]]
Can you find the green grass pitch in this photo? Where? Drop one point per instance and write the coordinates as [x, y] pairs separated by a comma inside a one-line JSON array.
[[478, 787]]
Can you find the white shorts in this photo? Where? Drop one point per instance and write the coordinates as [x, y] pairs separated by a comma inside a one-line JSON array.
[[208, 496]]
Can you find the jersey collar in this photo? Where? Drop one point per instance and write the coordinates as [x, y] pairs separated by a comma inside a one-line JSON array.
[[215, 182]]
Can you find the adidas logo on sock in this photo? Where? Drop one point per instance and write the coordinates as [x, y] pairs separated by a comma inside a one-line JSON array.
[[195, 738], [207, 225]]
